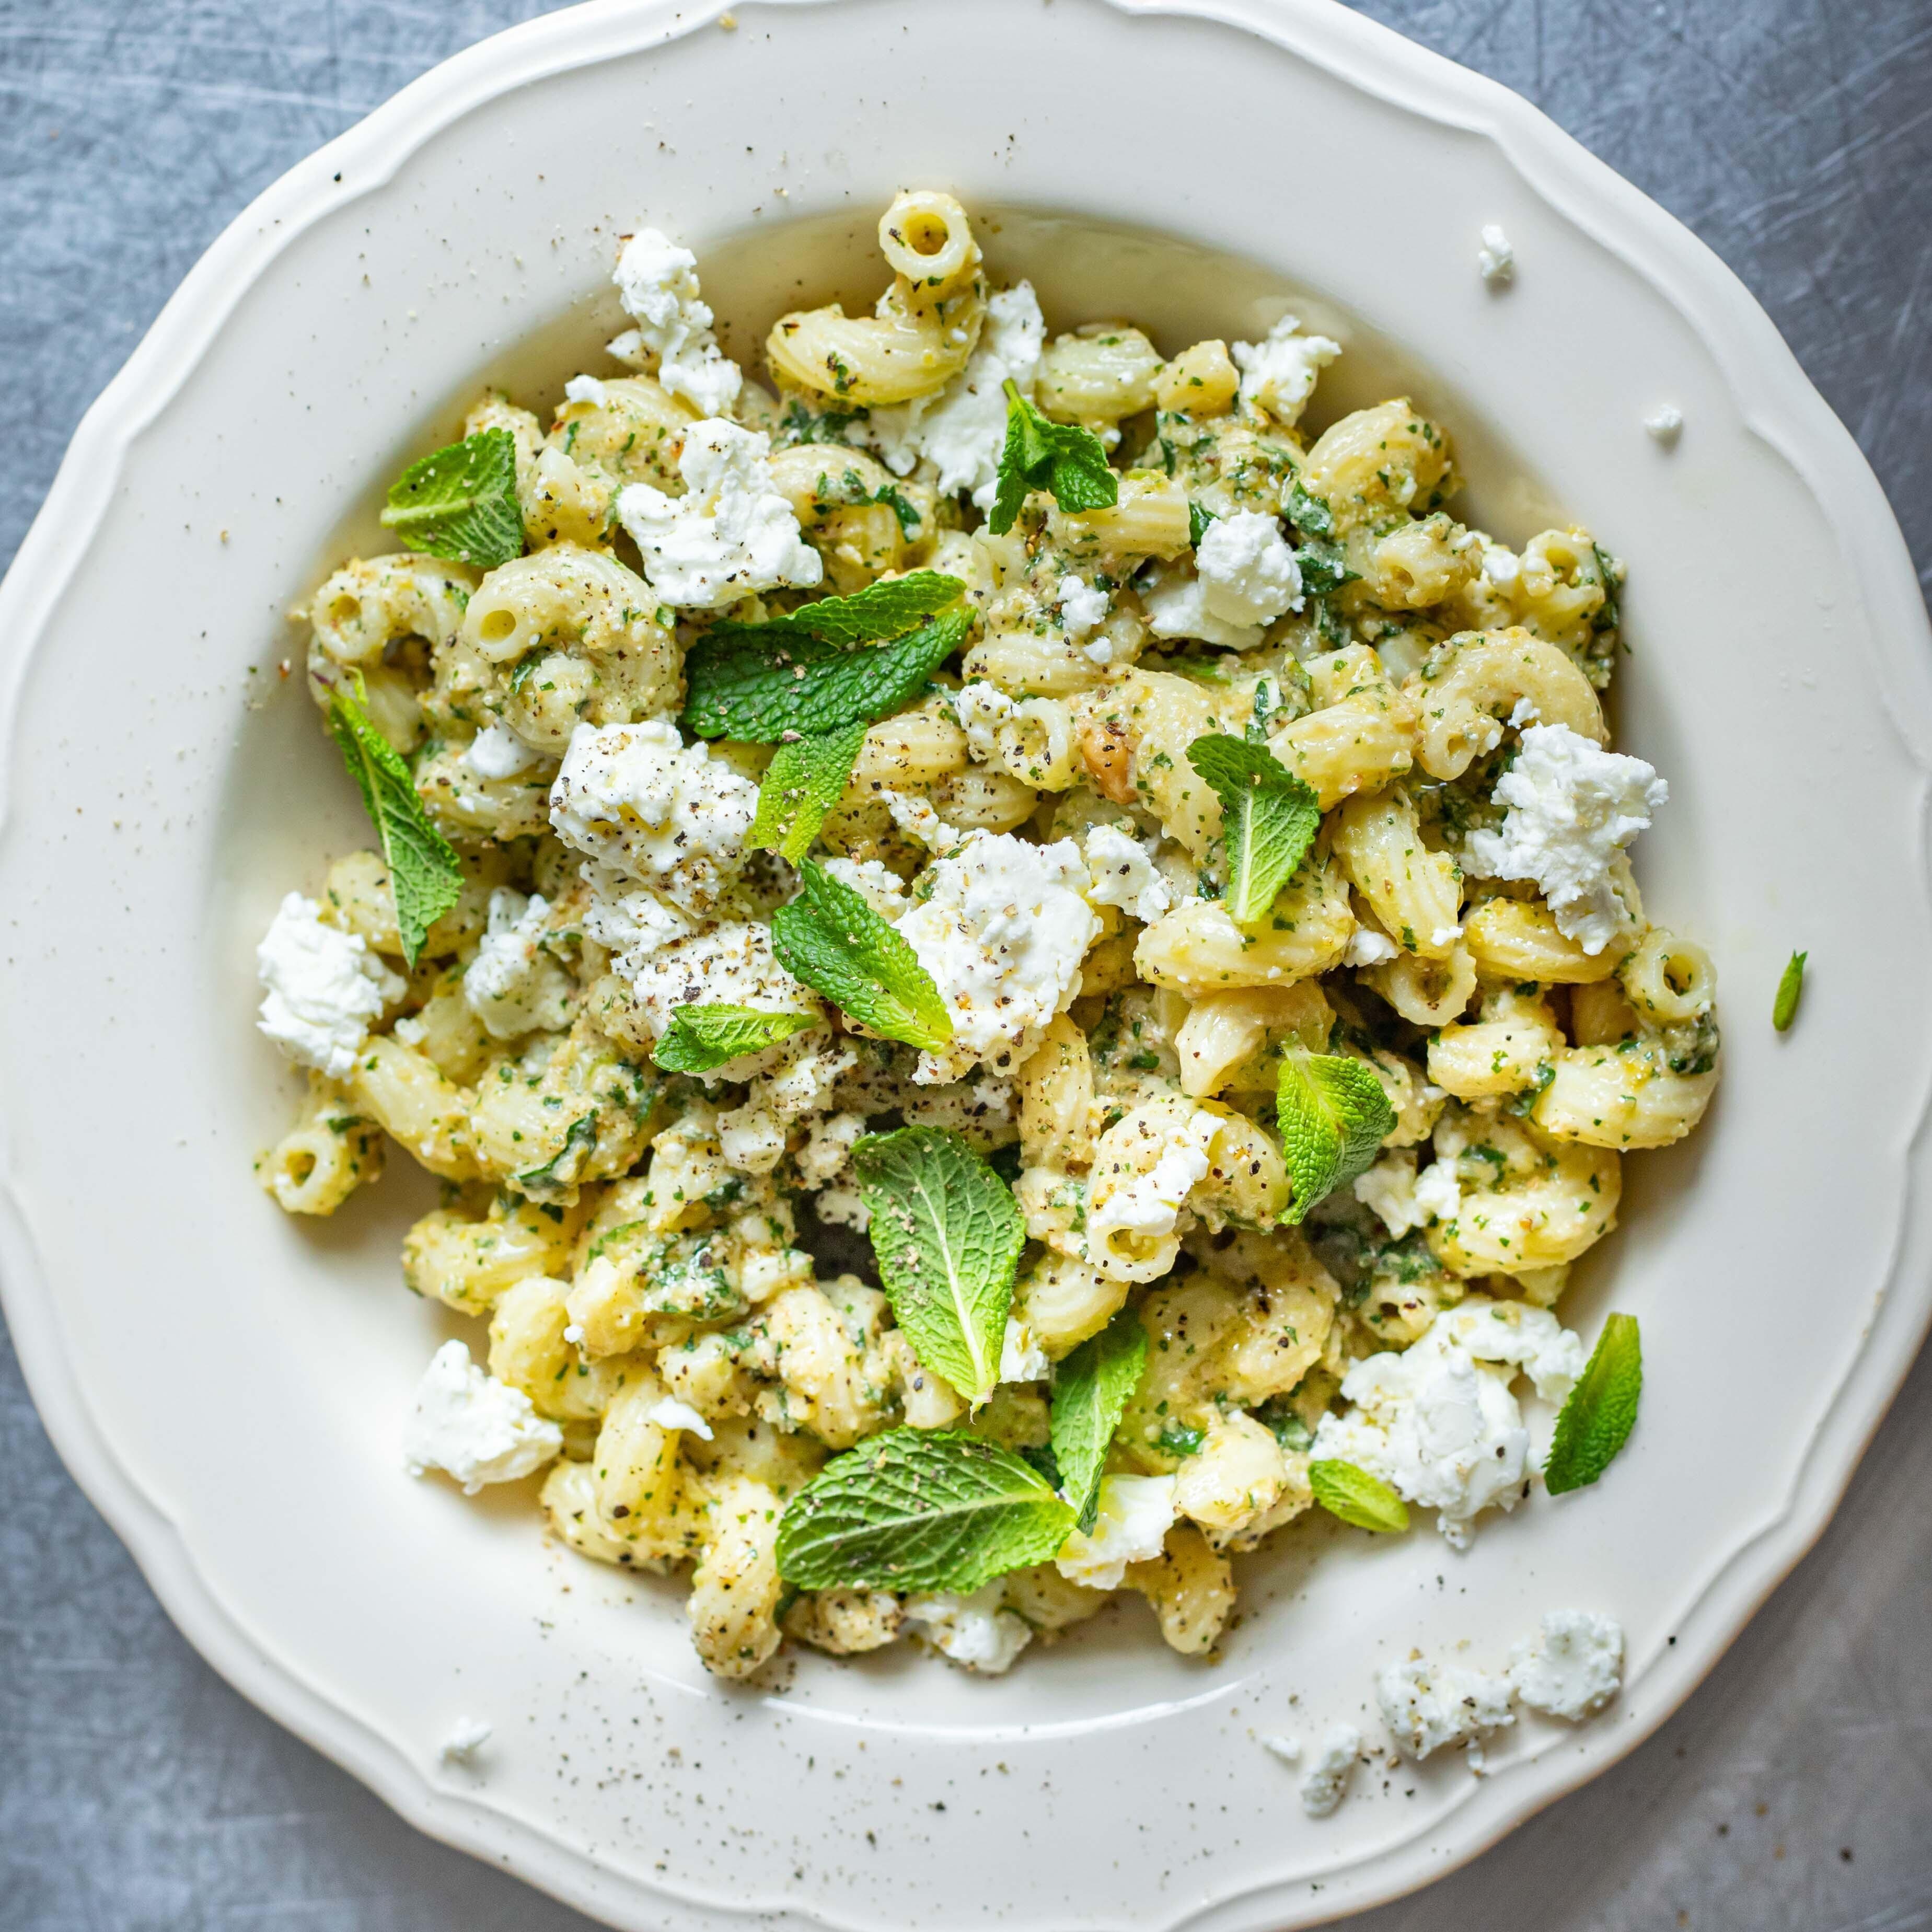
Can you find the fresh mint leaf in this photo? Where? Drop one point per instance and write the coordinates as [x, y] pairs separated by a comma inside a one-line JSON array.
[[1597, 1419], [1270, 820], [917, 1509], [830, 938], [1309, 513], [1061, 458], [1334, 1116], [461, 502], [700, 1039], [424, 870], [1180, 1438], [801, 785], [901, 506], [1198, 517], [1359, 1499], [875, 615], [758, 686], [947, 1235], [1324, 568], [1784, 1008], [1091, 1389]]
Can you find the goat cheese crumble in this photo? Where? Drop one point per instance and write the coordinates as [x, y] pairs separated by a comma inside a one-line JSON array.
[[1083, 608], [1573, 808], [324, 986], [1326, 1783], [657, 283], [497, 752], [972, 1631], [1131, 1521], [1248, 574], [1665, 425], [473, 1427], [1572, 1667], [1438, 1425], [636, 799], [1279, 372], [1496, 258], [1176, 602], [1003, 933], [1122, 874], [512, 986], [1426, 1705], [467, 1736], [730, 534]]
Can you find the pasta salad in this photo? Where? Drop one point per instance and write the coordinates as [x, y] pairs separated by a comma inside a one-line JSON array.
[[1020, 975]]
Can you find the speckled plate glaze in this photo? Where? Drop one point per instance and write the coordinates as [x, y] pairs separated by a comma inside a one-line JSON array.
[[229, 1386]]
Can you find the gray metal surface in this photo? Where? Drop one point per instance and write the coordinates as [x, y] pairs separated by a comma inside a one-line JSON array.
[[1793, 1794]]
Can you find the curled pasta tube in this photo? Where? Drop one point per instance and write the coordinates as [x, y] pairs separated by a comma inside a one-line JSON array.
[[1464, 695], [925, 325]]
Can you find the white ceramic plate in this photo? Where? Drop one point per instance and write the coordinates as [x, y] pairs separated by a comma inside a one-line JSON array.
[[229, 1385]]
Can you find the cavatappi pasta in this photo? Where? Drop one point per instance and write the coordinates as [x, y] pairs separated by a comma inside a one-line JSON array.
[[663, 1276]]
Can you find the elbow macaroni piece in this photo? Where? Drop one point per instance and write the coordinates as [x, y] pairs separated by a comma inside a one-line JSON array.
[[925, 326]]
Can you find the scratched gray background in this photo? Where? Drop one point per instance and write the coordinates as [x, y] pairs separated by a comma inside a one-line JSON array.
[[1795, 1791]]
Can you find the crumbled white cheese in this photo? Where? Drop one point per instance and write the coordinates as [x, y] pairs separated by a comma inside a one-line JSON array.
[[632, 926], [981, 708], [1176, 604], [828, 1149], [1288, 1749], [638, 800], [972, 1631], [1022, 1358], [324, 986], [1279, 373], [672, 1414], [788, 1082], [729, 963], [1426, 1705], [915, 816], [1002, 932], [1573, 1665], [1528, 1338], [1247, 573], [1083, 608], [874, 881], [1523, 712], [588, 389], [1572, 807], [730, 534], [1502, 568], [962, 427], [1439, 1192], [1439, 1426], [467, 1736], [1122, 874], [1126, 1232], [1368, 947], [477, 1428], [1665, 425], [512, 986], [657, 283], [1130, 1525], [1389, 1188], [497, 752], [1327, 1782], [1496, 259]]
